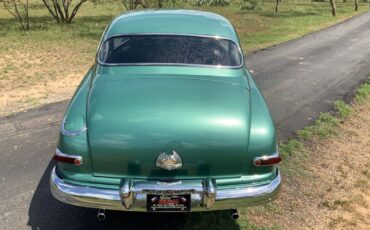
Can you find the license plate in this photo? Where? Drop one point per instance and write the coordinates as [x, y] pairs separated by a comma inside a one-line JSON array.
[[168, 203]]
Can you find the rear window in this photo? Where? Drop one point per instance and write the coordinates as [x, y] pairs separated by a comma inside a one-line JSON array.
[[170, 49]]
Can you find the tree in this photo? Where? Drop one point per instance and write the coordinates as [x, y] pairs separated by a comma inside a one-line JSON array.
[[333, 9], [277, 5], [133, 4], [160, 3], [19, 9], [356, 5], [59, 9]]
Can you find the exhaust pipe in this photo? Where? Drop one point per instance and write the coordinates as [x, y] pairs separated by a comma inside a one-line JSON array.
[[101, 215], [234, 214]]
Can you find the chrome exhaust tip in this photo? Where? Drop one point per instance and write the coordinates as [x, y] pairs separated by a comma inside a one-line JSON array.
[[234, 214], [101, 215]]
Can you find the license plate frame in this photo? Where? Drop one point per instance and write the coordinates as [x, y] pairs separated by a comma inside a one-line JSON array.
[[168, 203]]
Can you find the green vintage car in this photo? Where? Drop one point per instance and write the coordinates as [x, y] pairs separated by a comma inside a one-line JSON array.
[[168, 119]]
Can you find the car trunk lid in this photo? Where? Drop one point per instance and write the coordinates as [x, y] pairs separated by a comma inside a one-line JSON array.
[[131, 121]]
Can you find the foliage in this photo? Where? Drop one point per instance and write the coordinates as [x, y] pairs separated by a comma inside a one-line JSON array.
[[59, 9], [363, 92], [293, 145], [324, 126], [219, 3], [19, 9], [343, 109], [199, 2], [161, 3], [133, 4], [250, 5]]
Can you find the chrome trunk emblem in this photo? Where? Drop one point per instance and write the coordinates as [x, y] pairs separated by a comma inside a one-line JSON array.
[[169, 161]]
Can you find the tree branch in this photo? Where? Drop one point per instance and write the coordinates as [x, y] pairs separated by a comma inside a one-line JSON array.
[[53, 14], [75, 10]]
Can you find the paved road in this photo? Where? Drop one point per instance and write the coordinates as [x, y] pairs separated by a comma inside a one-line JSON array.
[[299, 79]]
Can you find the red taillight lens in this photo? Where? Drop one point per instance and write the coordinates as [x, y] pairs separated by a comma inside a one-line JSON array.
[[267, 160], [65, 158]]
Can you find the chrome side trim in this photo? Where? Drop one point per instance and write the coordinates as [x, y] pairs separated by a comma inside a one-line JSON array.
[[65, 132], [229, 198], [61, 154], [172, 64]]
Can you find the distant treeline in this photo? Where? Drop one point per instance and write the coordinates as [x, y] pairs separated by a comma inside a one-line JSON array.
[[64, 11]]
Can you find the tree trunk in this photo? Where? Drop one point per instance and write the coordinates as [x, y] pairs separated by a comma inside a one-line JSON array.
[[59, 10], [333, 10], [27, 18], [21, 16], [74, 11], [277, 5], [51, 11], [356, 5], [20, 19]]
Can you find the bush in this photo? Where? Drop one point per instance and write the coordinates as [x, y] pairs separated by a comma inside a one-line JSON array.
[[199, 2], [250, 5], [221, 3]]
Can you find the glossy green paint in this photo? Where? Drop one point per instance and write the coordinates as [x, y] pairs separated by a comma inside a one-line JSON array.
[[214, 118], [199, 118]]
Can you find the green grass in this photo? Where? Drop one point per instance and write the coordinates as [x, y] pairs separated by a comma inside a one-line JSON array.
[[324, 127], [363, 92], [287, 149], [344, 110]]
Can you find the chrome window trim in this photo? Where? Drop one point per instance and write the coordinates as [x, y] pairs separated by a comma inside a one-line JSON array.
[[65, 132], [171, 64]]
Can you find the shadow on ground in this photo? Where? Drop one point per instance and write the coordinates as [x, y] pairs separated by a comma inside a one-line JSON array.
[[47, 213]]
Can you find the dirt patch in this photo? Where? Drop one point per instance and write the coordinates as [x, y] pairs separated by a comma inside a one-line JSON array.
[[31, 75], [328, 186]]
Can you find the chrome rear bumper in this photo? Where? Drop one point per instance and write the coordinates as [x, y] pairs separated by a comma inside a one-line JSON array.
[[132, 194]]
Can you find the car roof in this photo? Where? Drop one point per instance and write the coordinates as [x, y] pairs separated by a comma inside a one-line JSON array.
[[186, 22]]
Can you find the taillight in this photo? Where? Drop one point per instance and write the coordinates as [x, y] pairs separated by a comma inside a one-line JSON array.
[[267, 160], [65, 158]]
